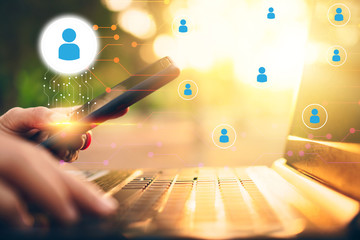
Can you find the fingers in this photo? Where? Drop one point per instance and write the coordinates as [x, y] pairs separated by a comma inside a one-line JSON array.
[[12, 209], [69, 152], [37, 180], [120, 114], [85, 195], [36, 176], [89, 198]]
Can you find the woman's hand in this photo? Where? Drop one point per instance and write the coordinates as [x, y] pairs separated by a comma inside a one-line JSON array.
[[36, 124], [31, 175]]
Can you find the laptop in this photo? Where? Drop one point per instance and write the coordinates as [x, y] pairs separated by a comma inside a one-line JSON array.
[[312, 191]]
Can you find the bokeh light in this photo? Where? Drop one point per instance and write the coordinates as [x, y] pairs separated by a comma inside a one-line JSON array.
[[137, 22], [116, 5]]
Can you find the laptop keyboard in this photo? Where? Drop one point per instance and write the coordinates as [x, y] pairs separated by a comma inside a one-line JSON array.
[[111, 180], [191, 200]]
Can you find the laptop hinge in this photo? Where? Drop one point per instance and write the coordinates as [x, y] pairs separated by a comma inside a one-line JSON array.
[[336, 205]]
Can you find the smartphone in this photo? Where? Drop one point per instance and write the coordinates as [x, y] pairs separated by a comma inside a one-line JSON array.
[[114, 100]]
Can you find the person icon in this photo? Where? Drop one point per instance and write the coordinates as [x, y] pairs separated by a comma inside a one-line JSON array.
[[314, 118], [338, 16], [271, 14], [183, 28], [187, 91], [262, 76], [69, 51], [224, 138], [336, 57]]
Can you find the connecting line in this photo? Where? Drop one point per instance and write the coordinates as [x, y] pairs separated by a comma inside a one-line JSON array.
[[125, 69], [97, 78], [322, 159], [110, 44]]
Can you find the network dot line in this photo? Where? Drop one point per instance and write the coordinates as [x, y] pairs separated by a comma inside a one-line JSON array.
[[302, 154], [61, 92], [351, 131], [329, 136]]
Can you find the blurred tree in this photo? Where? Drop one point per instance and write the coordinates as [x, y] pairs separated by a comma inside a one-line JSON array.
[[20, 25]]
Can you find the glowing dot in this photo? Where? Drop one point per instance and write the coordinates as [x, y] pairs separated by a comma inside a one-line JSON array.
[[116, 37], [352, 130], [325, 103], [243, 134], [113, 27], [63, 134], [113, 145], [155, 128], [201, 164], [310, 136], [139, 125], [328, 136], [233, 149], [108, 89], [307, 146], [61, 162], [159, 144], [166, 1], [106, 162], [301, 153], [134, 44], [289, 153], [116, 59], [359, 102], [150, 154], [95, 27]]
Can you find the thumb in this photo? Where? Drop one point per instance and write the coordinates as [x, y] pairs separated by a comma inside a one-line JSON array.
[[20, 120]]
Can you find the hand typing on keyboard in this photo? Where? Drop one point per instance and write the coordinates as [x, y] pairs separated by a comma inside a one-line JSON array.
[[30, 175]]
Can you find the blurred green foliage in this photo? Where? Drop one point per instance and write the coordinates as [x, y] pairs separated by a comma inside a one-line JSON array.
[[21, 70]]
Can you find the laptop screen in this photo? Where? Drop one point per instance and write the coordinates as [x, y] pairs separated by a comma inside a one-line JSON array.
[[324, 139]]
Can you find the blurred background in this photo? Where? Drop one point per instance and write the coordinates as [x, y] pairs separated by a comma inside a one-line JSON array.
[[230, 40]]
